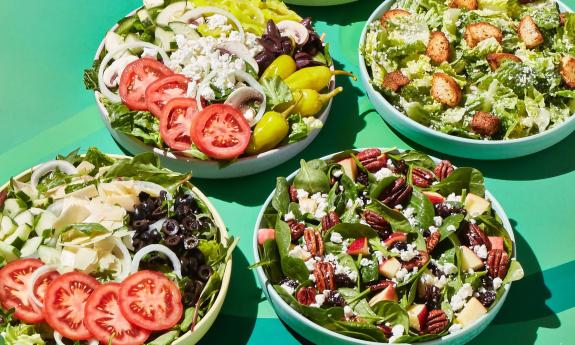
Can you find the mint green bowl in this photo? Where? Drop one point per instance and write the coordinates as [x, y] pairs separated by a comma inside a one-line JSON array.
[[320, 335], [450, 144]]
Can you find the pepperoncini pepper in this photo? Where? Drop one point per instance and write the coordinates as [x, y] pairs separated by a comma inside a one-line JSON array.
[[272, 128], [310, 101], [315, 78], [283, 66]]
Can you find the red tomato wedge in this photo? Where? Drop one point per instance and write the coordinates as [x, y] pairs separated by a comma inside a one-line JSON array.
[[103, 318], [64, 304], [136, 78], [14, 283], [162, 90], [151, 301], [176, 123], [221, 131]]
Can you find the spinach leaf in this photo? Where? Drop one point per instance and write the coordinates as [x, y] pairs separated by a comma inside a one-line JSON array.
[[347, 261], [361, 330], [323, 317], [349, 187], [395, 218], [318, 164], [352, 230], [213, 251], [493, 227], [377, 245], [311, 180], [423, 208], [415, 158], [453, 220], [474, 279], [283, 237], [375, 189], [362, 308], [54, 179], [408, 339], [281, 199], [514, 273], [295, 268], [409, 297], [469, 179], [392, 312], [188, 319], [88, 230], [270, 261], [277, 92], [350, 215], [369, 273]]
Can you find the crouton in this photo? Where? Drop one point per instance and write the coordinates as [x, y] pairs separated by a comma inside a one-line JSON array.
[[562, 19], [395, 81], [496, 59], [397, 12], [444, 89], [477, 32], [465, 4], [567, 71], [485, 124], [438, 47], [530, 33]]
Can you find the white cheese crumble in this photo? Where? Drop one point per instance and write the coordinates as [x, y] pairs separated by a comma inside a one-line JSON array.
[[497, 282], [396, 331], [310, 264], [322, 204], [398, 207], [455, 328], [289, 216], [379, 256], [365, 262], [409, 253], [382, 173], [217, 21], [451, 228], [319, 299], [472, 221], [311, 277], [340, 269], [408, 212], [299, 252], [348, 312], [335, 237], [337, 173], [481, 251], [433, 229], [453, 197], [437, 220], [288, 288], [458, 300], [449, 268], [302, 193]]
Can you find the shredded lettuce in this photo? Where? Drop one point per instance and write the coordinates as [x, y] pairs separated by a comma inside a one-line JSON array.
[[22, 334]]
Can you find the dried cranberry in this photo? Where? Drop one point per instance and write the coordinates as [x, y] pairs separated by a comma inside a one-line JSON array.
[[486, 298], [289, 282], [400, 167], [362, 178], [446, 209], [334, 299], [432, 297], [487, 281], [342, 280], [384, 233], [426, 233], [401, 245]]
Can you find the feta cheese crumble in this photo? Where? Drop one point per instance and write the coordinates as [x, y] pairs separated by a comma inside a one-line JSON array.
[[335, 237], [458, 300], [396, 331], [497, 282], [288, 288], [437, 220], [382, 173], [481, 251]]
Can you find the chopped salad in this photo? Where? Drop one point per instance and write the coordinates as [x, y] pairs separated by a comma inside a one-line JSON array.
[[96, 249], [214, 79], [479, 69], [386, 246]]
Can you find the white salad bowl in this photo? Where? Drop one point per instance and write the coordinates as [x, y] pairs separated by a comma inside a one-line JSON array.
[[320, 335], [212, 169], [318, 2], [188, 338], [451, 144]]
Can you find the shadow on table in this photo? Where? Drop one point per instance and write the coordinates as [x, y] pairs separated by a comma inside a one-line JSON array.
[[554, 161], [526, 302], [345, 14], [239, 313]]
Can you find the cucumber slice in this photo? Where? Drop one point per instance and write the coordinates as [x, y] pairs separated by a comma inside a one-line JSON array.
[[165, 38], [30, 247], [7, 227], [112, 42], [153, 3], [145, 18], [8, 252], [180, 28], [45, 223], [13, 207], [132, 38], [25, 217], [126, 24], [19, 236], [49, 255], [172, 12]]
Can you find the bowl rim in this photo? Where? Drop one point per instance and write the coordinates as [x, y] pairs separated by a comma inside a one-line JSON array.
[[427, 130], [105, 115], [223, 235], [273, 295]]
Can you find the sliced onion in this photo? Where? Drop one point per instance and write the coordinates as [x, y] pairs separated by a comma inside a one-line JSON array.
[[43, 169], [241, 51], [157, 225], [126, 260], [56, 207], [103, 88], [152, 188], [35, 275], [161, 249], [200, 87], [256, 85], [197, 12], [93, 342], [58, 338]]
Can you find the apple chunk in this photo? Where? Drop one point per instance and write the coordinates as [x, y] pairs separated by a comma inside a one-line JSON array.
[[395, 237], [388, 268], [469, 259], [349, 168], [417, 316], [472, 311], [266, 234], [359, 246], [387, 294], [434, 197], [475, 205], [496, 242]]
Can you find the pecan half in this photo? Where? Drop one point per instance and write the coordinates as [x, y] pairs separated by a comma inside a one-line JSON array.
[[293, 193], [422, 177], [324, 276], [396, 194], [329, 221], [473, 236], [436, 321], [306, 295], [372, 159], [497, 261], [400, 167], [443, 169], [421, 259], [386, 330], [381, 285], [432, 241], [296, 229], [313, 242]]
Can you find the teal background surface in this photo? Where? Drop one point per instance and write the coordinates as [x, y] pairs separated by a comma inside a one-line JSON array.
[[45, 110]]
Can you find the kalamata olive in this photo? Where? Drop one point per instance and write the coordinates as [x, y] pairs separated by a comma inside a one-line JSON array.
[[199, 255], [143, 196], [140, 224], [264, 59], [159, 212], [307, 23], [204, 272], [143, 238], [185, 199], [163, 195], [182, 211], [170, 227], [139, 212], [199, 286], [272, 29], [173, 240], [190, 265], [303, 63], [191, 242], [191, 224]]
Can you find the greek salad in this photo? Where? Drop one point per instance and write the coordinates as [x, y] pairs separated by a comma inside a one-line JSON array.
[[479, 69], [103, 250], [386, 246], [214, 79]]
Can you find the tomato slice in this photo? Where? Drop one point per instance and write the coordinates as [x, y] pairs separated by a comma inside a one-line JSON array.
[[162, 90], [151, 301], [136, 78], [14, 282], [103, 318], [221, 131], [64, 304], [176, 123]]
